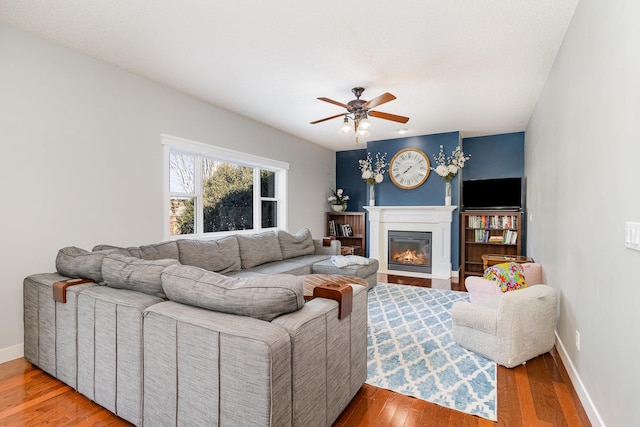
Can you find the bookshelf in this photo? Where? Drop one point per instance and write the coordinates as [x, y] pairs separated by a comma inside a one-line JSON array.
[[339, 222], [488, 232]]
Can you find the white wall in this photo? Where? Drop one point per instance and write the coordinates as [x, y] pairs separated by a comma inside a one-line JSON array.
[[81, 160], [582, 157]]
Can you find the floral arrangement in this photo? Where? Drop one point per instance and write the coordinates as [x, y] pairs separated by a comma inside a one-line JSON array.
[[338, 197], [448, 166], [372, 172]]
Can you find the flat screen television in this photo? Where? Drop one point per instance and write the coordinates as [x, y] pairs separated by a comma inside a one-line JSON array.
[[492, 194]]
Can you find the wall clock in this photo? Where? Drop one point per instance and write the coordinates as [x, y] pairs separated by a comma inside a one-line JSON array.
[[409, 168]]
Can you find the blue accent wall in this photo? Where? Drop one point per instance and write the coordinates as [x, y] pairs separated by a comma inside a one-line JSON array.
[[494, 156], [348, 177], [498, 156], [431, 193]]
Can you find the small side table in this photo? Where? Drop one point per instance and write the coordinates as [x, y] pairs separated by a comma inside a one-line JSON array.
[[492, 259], [347, 250], [350, 250]]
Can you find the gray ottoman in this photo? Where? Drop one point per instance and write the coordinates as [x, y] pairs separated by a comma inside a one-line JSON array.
[[366, 272]]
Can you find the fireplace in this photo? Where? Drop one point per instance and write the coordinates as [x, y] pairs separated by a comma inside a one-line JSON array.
[[409, 251], [435, 219]]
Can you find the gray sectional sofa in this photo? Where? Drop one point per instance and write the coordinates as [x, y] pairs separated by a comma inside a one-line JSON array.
[[196, 333]]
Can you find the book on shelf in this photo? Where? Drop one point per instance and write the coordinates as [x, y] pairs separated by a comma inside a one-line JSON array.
[[510, 237], [340, 230], [481, 236], [499, 222]]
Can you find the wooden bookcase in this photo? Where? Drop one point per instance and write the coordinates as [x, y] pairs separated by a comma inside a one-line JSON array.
[[488, 232], [357, 222]]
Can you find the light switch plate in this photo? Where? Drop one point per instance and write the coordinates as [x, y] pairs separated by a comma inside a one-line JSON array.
[[632, 235]]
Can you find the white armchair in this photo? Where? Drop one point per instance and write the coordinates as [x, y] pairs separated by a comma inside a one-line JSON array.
[[520, 328]]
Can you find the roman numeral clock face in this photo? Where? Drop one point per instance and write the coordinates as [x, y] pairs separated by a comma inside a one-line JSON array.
[[409, 168]]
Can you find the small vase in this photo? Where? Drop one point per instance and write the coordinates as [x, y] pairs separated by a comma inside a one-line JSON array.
[[339, 208], [447, 193], [372, 195]]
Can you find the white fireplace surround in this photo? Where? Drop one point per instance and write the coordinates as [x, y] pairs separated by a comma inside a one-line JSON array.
[[436, 219]]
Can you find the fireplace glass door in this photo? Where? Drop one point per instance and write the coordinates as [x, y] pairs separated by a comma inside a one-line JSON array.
[[409, 251]]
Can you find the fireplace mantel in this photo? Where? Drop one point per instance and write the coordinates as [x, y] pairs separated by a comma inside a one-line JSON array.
[[436, 219]]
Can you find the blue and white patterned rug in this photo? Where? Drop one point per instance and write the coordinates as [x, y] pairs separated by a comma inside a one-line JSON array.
[[411, 351]]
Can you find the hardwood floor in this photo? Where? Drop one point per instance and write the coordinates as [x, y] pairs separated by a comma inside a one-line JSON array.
[[536, 394]]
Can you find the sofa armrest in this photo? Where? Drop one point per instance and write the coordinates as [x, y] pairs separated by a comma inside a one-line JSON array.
[[333, 249], [482, 291], [479, 285], [474, 316], [329, 357]]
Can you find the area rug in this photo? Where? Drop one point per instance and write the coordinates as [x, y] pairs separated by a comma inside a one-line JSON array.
[[411, 351]]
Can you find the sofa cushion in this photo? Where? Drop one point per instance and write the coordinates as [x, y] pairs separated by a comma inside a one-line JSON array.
[[114, 249], [258, 248], [119, 271], [281, 267], [164, 250], [261, 297], [221, 255], [309, 259], [293, 245], [364, 271], [76, 262]]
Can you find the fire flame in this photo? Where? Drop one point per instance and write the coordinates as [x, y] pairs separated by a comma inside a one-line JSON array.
[[410, 256]]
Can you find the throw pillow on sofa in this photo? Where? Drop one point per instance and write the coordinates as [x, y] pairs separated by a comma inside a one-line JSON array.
[[113, 249], [260, 297], [79, 263], [123, 272], [221, 255], [509, 276], [163, 250], [299, 244], [258, 248]]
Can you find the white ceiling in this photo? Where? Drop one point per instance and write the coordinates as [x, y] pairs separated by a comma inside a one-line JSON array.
[[455, 65]]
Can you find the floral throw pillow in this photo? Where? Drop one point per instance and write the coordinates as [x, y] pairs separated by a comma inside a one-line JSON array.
[[509, 276]]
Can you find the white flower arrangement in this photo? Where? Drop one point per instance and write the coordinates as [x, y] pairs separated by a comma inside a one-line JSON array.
[[337, 197], [373, 173], [448, 166]]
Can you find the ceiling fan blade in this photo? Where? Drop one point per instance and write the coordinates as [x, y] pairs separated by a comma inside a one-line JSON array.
[[331, 101], [385, 97], [387, 116], [328, 118]]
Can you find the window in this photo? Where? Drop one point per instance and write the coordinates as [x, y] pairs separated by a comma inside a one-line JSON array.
[[216, 190]]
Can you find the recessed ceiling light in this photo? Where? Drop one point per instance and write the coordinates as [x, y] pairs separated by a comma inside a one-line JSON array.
[[402, 131]]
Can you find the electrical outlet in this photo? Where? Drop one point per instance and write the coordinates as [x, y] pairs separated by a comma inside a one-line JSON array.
[[632, 235], [578, 340]]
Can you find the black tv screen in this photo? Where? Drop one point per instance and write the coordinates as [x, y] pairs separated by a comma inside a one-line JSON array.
[[492, 194]]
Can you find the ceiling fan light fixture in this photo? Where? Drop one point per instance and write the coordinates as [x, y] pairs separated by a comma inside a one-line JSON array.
[[363, 132], [346, 127], [364, 124]]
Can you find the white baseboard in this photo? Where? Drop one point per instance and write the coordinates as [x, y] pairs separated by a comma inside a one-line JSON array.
[[11, 353], [583, 395]]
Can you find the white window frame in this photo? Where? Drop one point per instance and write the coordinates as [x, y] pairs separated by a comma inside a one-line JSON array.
[[180, 145]]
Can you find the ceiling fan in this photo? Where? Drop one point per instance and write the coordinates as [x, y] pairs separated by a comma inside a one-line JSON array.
[[359, 110]]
